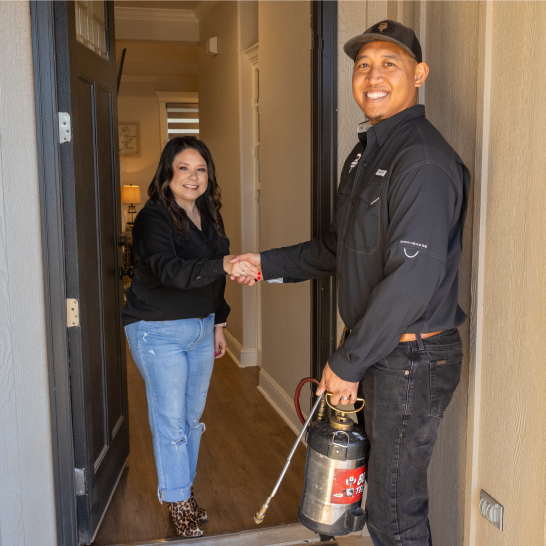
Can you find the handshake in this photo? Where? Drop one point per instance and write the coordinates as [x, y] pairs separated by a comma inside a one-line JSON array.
[[245, 268]]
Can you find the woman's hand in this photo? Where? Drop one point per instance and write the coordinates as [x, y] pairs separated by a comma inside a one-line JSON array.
[[219, 342], [241, 268], [253, 258]]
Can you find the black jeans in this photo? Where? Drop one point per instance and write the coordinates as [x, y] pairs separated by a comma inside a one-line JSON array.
[[406, 396]]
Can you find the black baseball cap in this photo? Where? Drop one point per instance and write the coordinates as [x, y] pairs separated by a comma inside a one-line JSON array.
[[386, 31]]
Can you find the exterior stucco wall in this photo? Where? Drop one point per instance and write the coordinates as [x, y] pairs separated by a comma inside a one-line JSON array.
[[451, 105], [27, 506], [511, 464]]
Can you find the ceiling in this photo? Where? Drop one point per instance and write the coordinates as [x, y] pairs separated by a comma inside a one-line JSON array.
[[157, 4]]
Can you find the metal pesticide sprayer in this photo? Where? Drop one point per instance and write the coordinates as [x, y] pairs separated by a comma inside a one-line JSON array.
[[335, 470]]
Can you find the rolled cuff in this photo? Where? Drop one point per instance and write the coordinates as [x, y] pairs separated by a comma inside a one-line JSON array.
[[175, 495]]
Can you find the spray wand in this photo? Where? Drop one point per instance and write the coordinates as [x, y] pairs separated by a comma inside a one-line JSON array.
[[260, 515]]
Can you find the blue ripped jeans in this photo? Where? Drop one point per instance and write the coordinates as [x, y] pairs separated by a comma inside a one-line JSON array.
[[175, 359]]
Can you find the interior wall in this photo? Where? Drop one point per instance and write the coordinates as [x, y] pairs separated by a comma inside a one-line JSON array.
[[218, 84], [285, 166], [511, 464], [157, 66], [150, 67], [248, 90], [27, 504], [139, 171], [248, 21]]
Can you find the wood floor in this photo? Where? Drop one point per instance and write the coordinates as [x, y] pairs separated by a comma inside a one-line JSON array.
[[242, 454]]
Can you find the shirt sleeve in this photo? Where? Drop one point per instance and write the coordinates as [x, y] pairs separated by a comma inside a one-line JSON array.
[[314, 259], [424, 211], [222, 313], [156, 249]]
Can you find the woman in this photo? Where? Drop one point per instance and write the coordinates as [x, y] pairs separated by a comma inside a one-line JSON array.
[[176, 312]]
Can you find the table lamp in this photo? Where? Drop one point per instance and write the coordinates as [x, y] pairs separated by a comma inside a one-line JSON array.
[[129, 196]]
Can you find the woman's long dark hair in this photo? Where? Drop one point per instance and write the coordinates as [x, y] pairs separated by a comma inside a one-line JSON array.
[[209, 204]]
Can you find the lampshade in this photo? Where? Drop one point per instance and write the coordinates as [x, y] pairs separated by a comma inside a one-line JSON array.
[[130, 195]]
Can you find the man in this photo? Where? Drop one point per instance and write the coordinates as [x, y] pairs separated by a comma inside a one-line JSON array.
[[395, 245]]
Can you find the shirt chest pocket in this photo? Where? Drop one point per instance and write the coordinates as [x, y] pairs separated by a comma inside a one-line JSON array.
[[364, 230]]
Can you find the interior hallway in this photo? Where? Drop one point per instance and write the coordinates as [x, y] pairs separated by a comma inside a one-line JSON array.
[[242, 453]]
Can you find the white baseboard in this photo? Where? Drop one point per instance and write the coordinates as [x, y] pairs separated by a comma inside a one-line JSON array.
[[241, 356], [281, 402]]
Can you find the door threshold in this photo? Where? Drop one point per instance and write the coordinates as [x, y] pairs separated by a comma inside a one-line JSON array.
[[290, 534]]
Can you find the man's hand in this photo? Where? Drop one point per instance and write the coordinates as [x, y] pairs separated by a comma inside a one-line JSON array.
[[332, 383], [252, 258], [236, 269]]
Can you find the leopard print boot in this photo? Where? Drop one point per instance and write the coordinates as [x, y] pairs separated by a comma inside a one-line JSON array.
[[184, 519], [200, 513]]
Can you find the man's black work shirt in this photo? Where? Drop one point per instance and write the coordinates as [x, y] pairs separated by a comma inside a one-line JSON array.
[[395, 243], [175, 277]]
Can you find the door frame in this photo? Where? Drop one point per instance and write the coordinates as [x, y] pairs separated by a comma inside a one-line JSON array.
[[324, 169], [53, 256], [323, 174]]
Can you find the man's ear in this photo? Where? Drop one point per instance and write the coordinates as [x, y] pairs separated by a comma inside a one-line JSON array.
[[421, 73]]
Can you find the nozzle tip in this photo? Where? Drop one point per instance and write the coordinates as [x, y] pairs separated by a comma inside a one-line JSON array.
[[260, 515]]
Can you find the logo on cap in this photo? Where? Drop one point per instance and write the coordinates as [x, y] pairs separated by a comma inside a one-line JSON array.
[[385, 27]]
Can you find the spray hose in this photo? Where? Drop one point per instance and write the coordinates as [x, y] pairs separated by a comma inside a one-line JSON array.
[[297, 395]]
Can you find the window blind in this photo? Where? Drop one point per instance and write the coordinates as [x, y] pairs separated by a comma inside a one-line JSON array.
[[182, 120]]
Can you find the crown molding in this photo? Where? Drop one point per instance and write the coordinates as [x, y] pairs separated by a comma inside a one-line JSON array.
[[153, 14], [177, 96], [252, 54], [137, 78], [203, 8]]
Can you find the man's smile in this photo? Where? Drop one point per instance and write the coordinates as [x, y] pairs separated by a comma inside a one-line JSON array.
[[375, 95]]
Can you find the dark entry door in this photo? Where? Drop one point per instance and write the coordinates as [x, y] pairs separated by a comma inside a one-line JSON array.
[[86, 85]]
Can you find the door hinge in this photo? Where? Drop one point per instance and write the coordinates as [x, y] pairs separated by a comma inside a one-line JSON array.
[[65, 127], [72, 313], [79, 480]]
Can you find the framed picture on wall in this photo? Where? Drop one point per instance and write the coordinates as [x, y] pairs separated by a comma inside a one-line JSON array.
[[129, 138]]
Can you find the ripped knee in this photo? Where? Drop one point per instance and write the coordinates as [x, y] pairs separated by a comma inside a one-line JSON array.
[[199, 428], [182, 440]]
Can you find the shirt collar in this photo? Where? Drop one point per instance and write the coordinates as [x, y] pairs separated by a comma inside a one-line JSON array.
[[384, 129]]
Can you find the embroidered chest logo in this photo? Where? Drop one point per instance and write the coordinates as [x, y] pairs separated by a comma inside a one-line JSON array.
[[355, 162], [380, 172]]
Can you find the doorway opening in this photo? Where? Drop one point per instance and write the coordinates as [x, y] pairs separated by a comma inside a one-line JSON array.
[[174, 85], [258, 111]]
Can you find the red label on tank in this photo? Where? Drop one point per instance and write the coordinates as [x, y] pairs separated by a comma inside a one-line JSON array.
[[348, 485]]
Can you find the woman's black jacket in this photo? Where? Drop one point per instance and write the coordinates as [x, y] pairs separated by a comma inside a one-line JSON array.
[[175, 277]]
